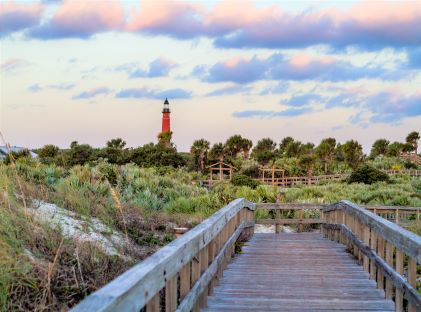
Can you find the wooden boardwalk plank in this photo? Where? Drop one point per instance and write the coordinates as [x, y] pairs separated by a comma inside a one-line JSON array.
[[296, 272]]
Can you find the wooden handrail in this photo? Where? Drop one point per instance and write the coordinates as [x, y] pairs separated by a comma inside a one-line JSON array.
[[381, 247], [185, 259]]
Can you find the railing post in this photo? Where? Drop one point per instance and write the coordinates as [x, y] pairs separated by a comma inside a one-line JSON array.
[[389, 260], [153, 304], [412, 278], [373, 246], [366, 240], [277, 217], [380, 252], [185, 280], [399, 270], [171, 294]]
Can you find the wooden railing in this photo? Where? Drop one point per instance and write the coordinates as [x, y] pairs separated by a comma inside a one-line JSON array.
[[410, 172], [388, 252], [179, 276], [313, 180], [295, 213], [288, 214]]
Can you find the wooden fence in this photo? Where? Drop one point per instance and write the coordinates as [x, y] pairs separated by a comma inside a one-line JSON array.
[[314, 180], [179, 276]]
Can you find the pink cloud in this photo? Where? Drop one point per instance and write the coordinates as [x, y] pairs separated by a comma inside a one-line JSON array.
[[12, 64], [15, 16], [242, 24], [81, 19], [180, 19]]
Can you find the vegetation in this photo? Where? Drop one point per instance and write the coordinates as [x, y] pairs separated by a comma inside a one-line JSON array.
[[368, 175], [142, 193]]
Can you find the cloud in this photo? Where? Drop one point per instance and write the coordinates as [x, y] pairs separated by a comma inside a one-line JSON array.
[[279, 88], [172, 18], [154, 94], [302, 100], [369, 25], [62, 86], [12, 64], [81, 19], [297, 67], [291, 112], [236, 70], [363, 25], [159, 67], [15, 16], [34, 88], [229, 91], [393, 107], [389, 106], [92, 93], [347, 99], [414, 57]]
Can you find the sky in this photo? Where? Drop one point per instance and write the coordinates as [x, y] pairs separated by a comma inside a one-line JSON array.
[[95, 70]]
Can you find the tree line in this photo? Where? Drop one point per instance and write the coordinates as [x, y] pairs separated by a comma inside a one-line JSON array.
[[234, 150], [266, 151]]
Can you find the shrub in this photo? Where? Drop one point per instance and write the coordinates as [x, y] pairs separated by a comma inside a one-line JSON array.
[[243, 180], [367, 175]]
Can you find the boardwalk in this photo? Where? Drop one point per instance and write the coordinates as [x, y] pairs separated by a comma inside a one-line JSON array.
[[358, 262], [296, 272]]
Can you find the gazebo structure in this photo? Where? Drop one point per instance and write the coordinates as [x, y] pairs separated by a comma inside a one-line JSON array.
[[269, 176], [221, 167]]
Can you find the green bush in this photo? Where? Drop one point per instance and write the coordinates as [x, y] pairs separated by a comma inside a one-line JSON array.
[[243, 180], [367, 175]]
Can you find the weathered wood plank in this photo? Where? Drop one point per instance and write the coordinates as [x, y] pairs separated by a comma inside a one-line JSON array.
[[153, 304], [399, 270], [412, 280], [171, 295], [303, 271], [185, 280]]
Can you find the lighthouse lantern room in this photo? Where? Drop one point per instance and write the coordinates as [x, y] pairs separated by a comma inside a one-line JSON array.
[[166, 117]]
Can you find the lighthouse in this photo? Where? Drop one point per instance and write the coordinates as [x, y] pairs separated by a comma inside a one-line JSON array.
[[166, 117]]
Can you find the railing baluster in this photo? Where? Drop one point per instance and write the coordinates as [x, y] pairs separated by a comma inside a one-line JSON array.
[[380, 252], [412, 278], [277, 217], [399, 270], [373, 246], [185, 280], [171, 294], [366, 240], [389, 260], [153, 304]]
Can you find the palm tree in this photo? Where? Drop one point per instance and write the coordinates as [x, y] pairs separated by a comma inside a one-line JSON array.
[[246, 145], [200, 149], [307, 162], [326, 151], [412, 139], [217, 152]]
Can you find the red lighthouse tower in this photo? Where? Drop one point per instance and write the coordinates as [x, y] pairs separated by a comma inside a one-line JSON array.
[[166, 117]]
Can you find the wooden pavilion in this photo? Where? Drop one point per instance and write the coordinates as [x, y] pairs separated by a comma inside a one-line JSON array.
[[220, 167]]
